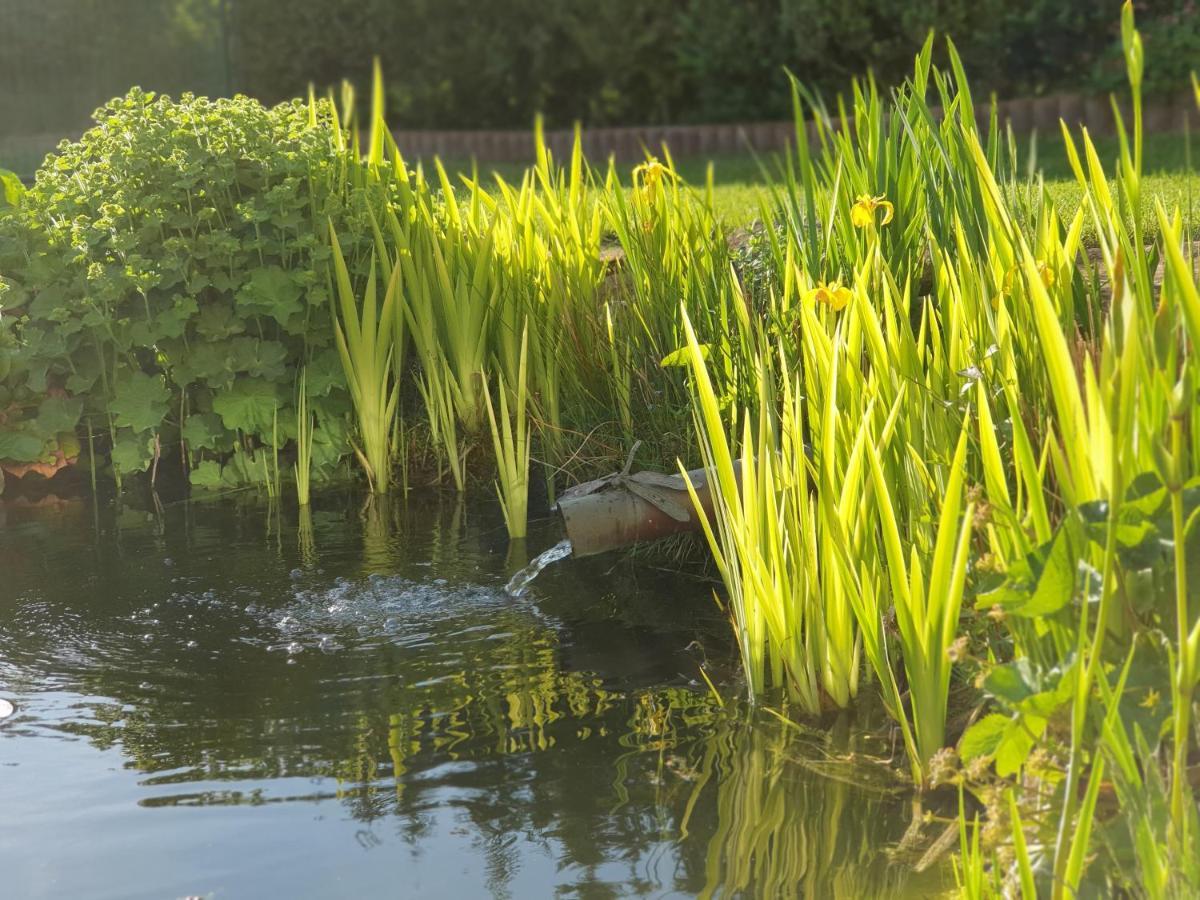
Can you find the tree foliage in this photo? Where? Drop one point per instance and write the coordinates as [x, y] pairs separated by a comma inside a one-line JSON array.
[[462, 64]]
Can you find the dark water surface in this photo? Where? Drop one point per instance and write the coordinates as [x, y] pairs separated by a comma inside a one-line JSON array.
[[230, 700]]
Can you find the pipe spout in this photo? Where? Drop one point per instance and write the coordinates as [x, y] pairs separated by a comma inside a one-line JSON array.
[[622, 509]]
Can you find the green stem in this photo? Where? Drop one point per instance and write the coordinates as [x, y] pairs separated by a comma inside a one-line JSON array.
[[1183, 680], [1084, 690]]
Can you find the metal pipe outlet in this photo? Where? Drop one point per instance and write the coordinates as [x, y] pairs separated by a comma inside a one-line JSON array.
[[625, 509]]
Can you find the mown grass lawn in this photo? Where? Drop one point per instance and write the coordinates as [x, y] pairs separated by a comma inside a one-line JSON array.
[[741, 183]]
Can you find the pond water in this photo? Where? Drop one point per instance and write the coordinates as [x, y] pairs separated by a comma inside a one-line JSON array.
[[229, 699]]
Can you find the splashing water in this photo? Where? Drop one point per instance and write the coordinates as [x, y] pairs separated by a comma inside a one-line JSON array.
[[519, 583]]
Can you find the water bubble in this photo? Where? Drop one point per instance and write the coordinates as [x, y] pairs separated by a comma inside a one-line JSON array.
[[168, 562], [295, 647], [192, 645], [295, 574], [147, 637]]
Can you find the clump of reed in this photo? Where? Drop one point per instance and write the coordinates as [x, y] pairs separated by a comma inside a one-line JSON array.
[[365, 343], [511, 440], [939, 451], [974, 410], [302, 469]]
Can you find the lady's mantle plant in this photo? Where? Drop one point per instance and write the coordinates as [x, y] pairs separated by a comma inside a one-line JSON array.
[[165, 281]]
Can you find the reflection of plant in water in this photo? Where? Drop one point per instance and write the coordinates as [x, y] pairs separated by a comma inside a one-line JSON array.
[[378, 521], [304, 536], [360, 767], [660, 725], [455, 708], [404, 740], [446, 535], [783, 828], [735, 798]]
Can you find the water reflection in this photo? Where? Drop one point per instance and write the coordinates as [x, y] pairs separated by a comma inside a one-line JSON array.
[[810, 817], [366, 659]]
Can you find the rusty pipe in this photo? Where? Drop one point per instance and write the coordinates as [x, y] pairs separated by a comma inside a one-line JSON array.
[[621, 510]]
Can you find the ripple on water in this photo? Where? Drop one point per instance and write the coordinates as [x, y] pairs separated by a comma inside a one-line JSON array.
[[39, 637], [394, 610]]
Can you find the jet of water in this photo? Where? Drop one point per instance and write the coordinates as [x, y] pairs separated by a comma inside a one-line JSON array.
[[519, 583]]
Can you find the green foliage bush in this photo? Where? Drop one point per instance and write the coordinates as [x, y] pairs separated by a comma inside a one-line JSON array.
[[166, 268]]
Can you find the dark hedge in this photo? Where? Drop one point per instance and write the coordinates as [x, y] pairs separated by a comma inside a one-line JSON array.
[[473, 64]]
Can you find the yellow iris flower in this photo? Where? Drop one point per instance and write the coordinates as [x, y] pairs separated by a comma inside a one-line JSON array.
[[649, 175], [833, 295], [862, 214], [1044, 271]]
